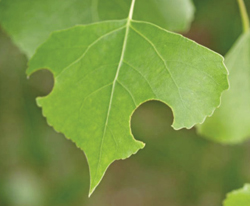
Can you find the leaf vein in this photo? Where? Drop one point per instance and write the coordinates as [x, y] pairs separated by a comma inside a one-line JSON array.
[[88, 48], [94, 93], [163, 60], [113, 137], [133, 67], [128, 91], [113, 89]]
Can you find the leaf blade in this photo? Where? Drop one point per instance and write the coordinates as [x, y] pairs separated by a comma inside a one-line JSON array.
[[122, 65]]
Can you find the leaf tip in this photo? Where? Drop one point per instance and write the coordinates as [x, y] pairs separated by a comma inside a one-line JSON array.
[[91, 190]]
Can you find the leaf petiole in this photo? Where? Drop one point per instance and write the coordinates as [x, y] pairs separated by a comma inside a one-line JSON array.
[[244, 16], [131, 11]]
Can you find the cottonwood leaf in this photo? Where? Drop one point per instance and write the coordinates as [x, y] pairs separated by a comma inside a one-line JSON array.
[[230, 123], [29, 22], [104, 71], [239, 197]]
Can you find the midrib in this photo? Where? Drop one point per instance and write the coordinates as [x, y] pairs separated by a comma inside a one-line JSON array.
[[115, 79]]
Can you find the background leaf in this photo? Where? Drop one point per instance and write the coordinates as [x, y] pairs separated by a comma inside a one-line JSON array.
[[230, 123], [239, 197], [29, 23], [111, 69]]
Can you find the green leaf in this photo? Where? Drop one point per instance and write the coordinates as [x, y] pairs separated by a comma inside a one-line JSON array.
[[104, 71], [230, 123], [29, 22], [239, 197]]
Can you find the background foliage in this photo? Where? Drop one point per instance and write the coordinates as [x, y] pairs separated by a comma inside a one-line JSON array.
[[40, 167]]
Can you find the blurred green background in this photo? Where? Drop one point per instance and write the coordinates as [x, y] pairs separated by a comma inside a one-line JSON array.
[[39, 167]]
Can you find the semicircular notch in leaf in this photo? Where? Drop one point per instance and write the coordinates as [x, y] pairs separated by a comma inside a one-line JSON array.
[[104, 71], [239, 197], [230, 122], [29, 22]]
